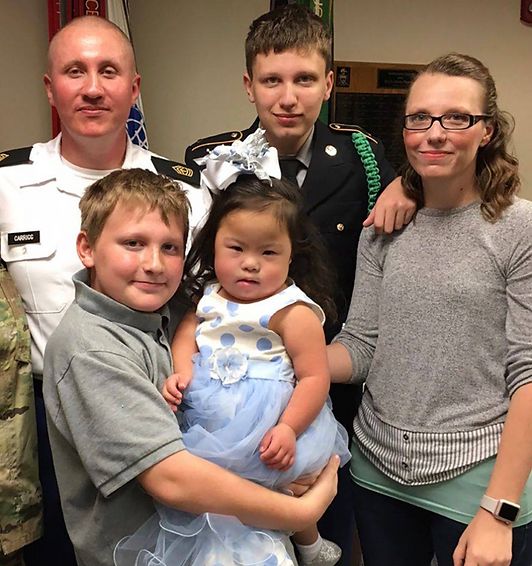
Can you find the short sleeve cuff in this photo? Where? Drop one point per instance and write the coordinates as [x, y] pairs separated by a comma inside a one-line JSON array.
[[121, 479]]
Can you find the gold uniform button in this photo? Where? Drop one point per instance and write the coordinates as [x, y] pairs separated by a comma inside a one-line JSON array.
[[340, 227], [331, 150], [234, 135], [24, 250]]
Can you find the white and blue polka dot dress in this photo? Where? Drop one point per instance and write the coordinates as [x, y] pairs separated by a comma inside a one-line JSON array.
[[225, 325], [243, 381]]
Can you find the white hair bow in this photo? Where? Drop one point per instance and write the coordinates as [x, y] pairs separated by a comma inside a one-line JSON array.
[[253, 156]]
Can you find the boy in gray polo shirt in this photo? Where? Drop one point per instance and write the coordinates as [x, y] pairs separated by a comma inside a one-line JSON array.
[[115, 442]]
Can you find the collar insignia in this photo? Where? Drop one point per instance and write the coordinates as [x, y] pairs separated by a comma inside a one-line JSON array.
[[182, 170]]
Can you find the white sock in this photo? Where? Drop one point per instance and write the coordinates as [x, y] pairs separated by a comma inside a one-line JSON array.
[[310, 551]]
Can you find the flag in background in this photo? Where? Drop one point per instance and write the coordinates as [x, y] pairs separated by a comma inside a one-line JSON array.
[[61, 12], [118, 13], [324, 10], [136, 126]]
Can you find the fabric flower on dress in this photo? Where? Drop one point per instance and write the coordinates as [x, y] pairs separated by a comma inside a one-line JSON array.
[[253, 156], [229, 365]]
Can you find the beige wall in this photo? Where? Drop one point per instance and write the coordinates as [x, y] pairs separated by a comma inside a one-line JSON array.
[[191, 58], [190, 54], [25, 114]]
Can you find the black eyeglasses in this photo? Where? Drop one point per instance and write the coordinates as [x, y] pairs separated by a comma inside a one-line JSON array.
[[418, 122]]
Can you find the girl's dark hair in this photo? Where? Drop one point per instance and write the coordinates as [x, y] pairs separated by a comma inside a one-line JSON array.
[[309, 267], [497, 168]]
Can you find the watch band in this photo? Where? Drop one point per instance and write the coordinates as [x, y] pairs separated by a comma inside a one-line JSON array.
[[501, 509]]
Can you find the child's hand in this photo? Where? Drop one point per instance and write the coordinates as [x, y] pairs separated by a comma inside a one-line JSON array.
[[173, 388], [278, 448]]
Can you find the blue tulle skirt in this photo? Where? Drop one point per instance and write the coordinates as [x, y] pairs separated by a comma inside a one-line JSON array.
[[174, 538], [225, 425]]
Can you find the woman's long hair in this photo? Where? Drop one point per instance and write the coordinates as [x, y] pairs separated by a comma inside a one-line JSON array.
[[497, 172], [309, 267]]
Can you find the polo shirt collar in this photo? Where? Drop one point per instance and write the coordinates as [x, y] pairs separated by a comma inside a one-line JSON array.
[[101, 305]]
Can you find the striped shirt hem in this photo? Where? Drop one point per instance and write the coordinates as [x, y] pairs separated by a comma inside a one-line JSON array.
[[420, 458]]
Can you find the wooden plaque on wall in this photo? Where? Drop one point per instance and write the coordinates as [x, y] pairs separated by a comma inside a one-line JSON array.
[[372, 95]]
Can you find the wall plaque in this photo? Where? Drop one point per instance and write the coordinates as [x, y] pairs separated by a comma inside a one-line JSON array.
[[395, 78], [372, 95]]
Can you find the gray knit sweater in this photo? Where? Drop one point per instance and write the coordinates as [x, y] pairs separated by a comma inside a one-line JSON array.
[[440, 327]]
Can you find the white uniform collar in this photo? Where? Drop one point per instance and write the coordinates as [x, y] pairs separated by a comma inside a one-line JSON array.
[[136, 156], [46, 162], [47, 165]]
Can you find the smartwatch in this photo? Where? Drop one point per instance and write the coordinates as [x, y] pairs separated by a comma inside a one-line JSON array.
[[503, 510]]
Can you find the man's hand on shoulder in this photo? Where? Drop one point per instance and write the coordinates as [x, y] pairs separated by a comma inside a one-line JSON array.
[[393, 209]]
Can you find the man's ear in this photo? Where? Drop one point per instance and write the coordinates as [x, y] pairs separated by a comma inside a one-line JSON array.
[[248, 85], [329, 81], [84, 249], [48, 87], [135, 89]]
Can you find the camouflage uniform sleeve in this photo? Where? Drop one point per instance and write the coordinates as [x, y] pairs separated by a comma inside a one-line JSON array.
[[20, 503]]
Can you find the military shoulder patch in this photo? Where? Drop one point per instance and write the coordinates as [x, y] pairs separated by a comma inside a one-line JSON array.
[[15, 156], [176, 170], [350, 128], [220, 139]]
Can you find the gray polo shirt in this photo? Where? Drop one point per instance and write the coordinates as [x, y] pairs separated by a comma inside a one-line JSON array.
[[104, 366]]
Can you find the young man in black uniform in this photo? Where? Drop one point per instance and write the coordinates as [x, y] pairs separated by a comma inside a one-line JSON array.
[[289, 62]]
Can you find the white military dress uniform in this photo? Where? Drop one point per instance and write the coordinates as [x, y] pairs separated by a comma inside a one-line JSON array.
[[40, 220]]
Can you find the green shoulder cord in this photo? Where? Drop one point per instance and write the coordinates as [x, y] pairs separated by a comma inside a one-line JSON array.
[[371, 168]]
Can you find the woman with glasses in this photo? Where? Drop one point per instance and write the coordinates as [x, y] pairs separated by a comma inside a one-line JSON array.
[[440, 330]]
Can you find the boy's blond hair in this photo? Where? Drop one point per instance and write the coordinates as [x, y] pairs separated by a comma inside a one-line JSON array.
[[132, 187]]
